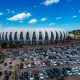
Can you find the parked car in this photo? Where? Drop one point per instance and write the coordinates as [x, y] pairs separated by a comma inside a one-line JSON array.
[[36, 76], [25, 66], [21, 65], [5, 64], [45, 74], [41, 76]]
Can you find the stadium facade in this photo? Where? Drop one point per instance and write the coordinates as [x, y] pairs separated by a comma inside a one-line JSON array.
[[33, 35]]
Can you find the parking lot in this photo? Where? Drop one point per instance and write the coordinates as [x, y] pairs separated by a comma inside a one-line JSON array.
[[52, 63]]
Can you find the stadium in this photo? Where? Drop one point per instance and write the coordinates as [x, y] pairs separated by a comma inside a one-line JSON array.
[[33, 35]]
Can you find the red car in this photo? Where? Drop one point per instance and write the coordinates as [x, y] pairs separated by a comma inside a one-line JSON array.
[[5, 64], [10, 62]]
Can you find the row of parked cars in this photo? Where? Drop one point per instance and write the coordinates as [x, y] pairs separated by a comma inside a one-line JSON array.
[[44, 74], [46, 53], [51, 73], [48, 63], [42, 57], [37, 54], [7, 74], [8, 64], [7, 69], [46, 57]]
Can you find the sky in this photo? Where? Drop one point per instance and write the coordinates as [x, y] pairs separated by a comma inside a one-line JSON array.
[[40, 13]]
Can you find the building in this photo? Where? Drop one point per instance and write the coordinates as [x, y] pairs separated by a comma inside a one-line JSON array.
[[74, 36], [33, 35]]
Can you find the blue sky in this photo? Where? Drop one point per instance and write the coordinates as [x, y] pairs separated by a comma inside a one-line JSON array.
[[40, 13]]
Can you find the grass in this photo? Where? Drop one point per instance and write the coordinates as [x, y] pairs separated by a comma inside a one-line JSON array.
[[16, 76]]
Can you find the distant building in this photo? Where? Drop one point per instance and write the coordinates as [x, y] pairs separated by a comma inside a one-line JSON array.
[[71, 35], [33, 35], [74, 36], [77, 36]]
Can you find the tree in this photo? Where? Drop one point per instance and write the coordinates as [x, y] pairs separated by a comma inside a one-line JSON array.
[[4, 45]]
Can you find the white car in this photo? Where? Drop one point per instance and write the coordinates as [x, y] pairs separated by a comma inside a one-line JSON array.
[[29, 65], [34, 59], [43, 64], [69, 73], [55, 64], [78, 73], [41, 76], [31, 78], [25, 66], [25, 59]]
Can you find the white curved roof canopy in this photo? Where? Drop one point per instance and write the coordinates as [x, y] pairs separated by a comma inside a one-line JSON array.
[[40, 34]]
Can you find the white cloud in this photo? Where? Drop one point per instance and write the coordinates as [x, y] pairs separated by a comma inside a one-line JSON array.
[[59, 18], [19, 17], [13, 11], [32, 21], [8, 10], [52, 24], [1, 13], [74, 16], [50, 2], [43, 19], [21, 21]]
